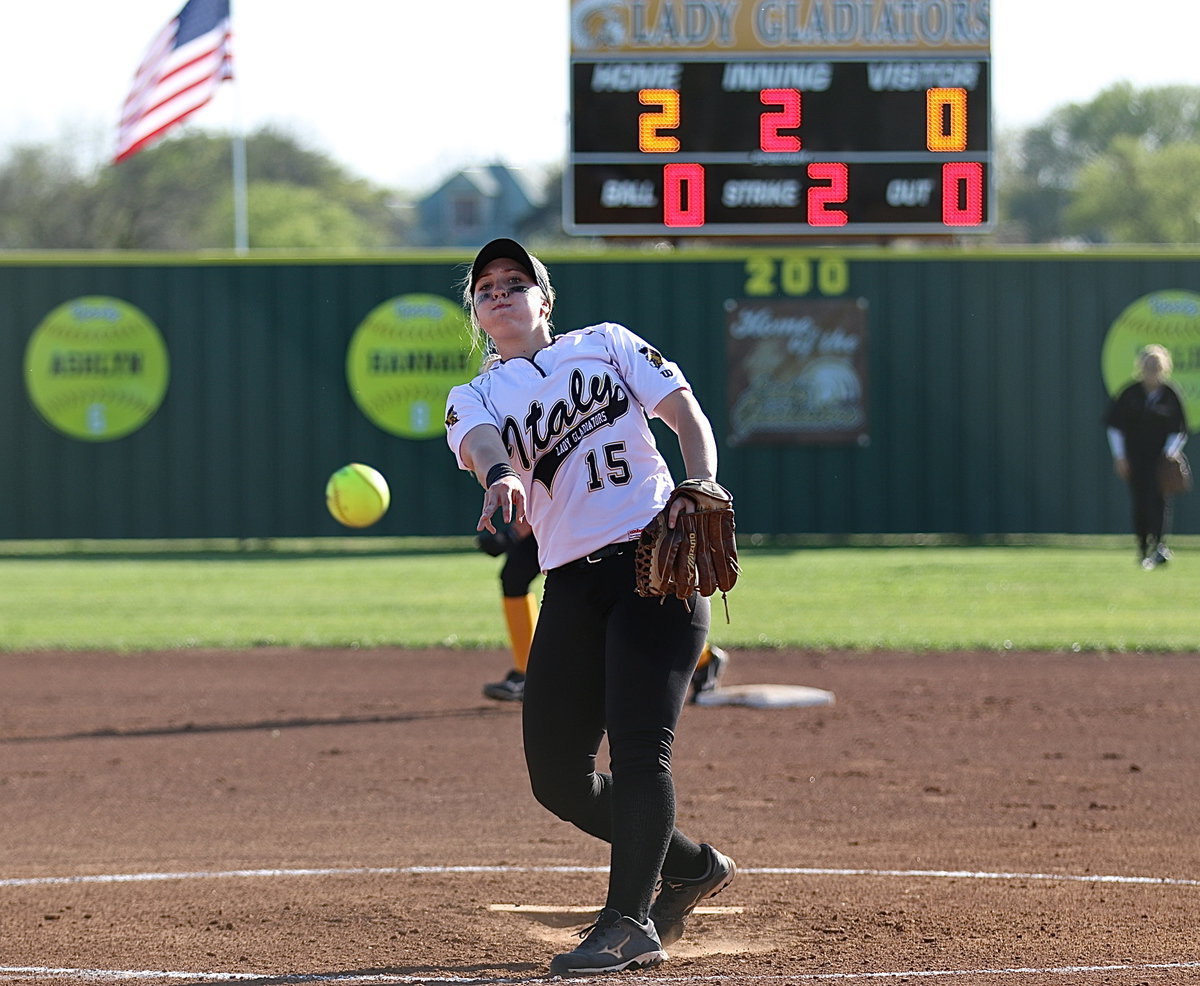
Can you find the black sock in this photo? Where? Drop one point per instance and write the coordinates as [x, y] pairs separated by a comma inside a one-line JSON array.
[[643, 823]]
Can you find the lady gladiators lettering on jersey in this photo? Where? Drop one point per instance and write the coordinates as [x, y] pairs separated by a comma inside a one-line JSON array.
[[561, 431]]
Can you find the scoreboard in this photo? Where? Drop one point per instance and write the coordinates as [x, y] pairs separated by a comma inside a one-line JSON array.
[[764, 125]]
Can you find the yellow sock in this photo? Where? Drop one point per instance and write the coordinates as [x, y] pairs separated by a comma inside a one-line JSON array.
[[520, 612], [705, 655]]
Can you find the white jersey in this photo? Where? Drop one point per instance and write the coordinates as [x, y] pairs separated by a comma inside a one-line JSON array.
[[574, 420]]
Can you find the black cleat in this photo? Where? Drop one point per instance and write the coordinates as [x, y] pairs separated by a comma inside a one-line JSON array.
[[511, 689], [612, 944], [678, 898]]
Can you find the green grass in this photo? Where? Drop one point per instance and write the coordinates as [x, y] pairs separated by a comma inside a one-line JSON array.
[[1057, 594]]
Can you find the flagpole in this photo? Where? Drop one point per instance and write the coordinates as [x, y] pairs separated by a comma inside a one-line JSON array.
[[241, 223]]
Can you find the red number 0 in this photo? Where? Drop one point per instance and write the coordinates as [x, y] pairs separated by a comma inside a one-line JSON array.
[[678, 180], [962, 180], [819, 196]]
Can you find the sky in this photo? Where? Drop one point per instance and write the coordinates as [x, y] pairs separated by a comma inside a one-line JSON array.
[[405, 92]]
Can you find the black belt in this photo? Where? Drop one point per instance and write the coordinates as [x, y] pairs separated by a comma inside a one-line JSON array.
[[608, 551]]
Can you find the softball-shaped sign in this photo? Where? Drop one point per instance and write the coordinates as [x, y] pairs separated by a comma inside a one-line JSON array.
[[357, 495], [96, 368], [404, 358], [1168, 318]]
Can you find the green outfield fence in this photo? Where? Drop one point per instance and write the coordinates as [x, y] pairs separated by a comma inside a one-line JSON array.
[[981, 389]]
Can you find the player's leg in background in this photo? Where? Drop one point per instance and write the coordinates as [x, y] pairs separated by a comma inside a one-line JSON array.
[[707, 676], [1158, 515], [1162, 553], [1147, 503], [563, 720], [520, 615]]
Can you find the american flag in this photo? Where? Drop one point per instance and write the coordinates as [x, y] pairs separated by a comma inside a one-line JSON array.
[[181, 70]]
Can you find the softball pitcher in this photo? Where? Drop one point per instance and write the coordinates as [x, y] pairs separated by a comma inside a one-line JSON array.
[[555, 429]]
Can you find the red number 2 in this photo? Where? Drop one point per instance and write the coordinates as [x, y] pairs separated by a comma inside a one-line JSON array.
[[820, 196], [769, 124]]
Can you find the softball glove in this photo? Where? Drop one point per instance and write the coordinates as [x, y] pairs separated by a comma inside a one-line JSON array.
[[699, 554]]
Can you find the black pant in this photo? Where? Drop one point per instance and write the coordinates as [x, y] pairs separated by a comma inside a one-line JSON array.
[[606, 660], [1150, 511]]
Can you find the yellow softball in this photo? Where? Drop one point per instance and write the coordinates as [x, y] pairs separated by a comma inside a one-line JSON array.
[[357, 495]]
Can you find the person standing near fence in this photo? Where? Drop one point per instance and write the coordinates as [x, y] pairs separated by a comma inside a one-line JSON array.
[[1146, 422]]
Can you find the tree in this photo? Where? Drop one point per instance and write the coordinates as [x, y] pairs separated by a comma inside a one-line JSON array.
[[274, 157], [44, 201], [1040, 180], [160, 198], [1134, 194], [177, 195], [286, 216]]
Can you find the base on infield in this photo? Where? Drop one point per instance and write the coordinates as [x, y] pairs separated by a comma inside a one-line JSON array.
[[766, 696]]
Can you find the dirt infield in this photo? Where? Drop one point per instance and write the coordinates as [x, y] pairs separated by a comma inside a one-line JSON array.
[[283, 816]]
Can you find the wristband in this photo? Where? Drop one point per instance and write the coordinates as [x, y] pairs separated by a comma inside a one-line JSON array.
[[498, 472]]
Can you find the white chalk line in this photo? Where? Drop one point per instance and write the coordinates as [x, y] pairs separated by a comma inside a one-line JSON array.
[[45, 881], [100, 975]]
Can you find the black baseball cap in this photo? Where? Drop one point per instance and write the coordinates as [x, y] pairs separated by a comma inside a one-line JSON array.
[[507, 249]]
